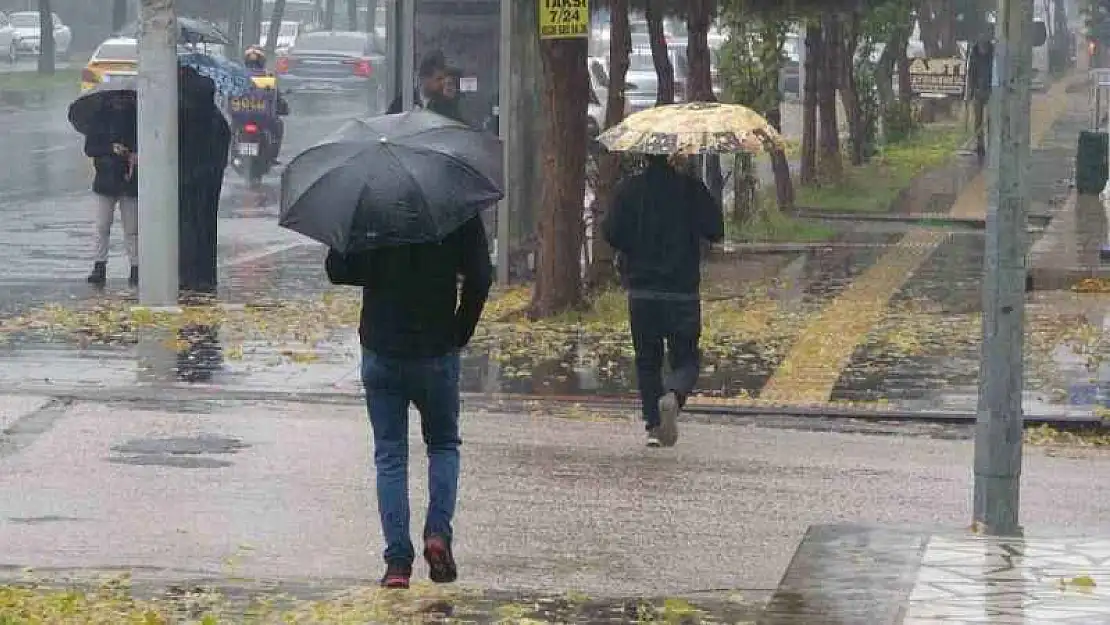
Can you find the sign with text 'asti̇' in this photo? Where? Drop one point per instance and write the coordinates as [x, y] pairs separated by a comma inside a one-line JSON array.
[[564, 19]]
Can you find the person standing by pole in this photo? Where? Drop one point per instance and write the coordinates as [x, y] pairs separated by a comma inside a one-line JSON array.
[[112, 146], [998, 432]]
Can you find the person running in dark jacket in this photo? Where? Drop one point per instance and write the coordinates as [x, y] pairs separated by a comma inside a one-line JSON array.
[[113, 148], [657, 223], [414, 322]]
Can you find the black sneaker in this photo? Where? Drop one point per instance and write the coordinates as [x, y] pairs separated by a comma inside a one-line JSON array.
[[441, 562], [653, 438], [397, 575], [99, 274]]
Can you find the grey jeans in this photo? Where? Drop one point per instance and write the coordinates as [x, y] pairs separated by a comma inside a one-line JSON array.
[[105, 215]]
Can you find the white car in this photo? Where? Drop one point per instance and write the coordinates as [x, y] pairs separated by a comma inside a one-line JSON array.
[[287, 36], [26, 26], [7, 39]]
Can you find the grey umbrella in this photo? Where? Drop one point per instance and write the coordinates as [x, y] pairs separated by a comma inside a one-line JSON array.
[[414, 177]]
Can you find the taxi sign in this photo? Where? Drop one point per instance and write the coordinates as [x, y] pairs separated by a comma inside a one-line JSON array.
[[564, 19]]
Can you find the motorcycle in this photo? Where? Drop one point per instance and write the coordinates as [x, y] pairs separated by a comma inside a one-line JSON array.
[[257, 142], [255, 152]]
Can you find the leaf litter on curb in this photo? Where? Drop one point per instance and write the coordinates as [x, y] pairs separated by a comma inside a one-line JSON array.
[[114, 602]]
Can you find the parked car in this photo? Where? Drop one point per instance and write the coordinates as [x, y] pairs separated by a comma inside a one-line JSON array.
[[287, 36], [116, 57], [335, 62], [7, 39], [27, 34]]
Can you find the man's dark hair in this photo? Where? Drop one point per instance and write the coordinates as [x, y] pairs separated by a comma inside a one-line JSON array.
[[431, 63]]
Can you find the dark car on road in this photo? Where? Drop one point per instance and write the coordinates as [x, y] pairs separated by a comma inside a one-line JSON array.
[[332, 62]]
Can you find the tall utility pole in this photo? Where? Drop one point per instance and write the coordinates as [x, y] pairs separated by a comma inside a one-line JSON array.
[[158, 151], [998, 432]]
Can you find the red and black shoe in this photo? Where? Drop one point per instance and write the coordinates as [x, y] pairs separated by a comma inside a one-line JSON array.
[[397, 575], [441, 562]]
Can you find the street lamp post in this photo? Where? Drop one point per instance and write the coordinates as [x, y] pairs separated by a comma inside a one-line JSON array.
[[998, 433], [157, 140]]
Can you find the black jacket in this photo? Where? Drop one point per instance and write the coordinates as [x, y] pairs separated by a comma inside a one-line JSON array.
[[442, 106], [657, 223], [111, 169], [411, 305]]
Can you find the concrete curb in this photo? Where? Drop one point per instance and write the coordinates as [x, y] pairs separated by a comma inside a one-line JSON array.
[[183, 393]]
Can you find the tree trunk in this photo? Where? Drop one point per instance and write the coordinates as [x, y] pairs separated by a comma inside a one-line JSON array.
[[699, 85], [784, 184], [235, 24], [119, 15], [46, 38], [700, 18], [371, 16], [352, 14], [927, 27], [329, 15], [660, 56], [565, 87], [944, 21], [808, 166], [275, 27], [830, 163], [602, 269], [845, 49], [252, 23]]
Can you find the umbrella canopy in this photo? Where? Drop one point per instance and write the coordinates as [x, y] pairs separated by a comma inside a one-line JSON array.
[[190, 30], [86, 111], [692, 128], [231, 78], [413, 177]]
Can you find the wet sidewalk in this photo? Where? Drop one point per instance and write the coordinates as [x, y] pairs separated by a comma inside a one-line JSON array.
[[273, 497]]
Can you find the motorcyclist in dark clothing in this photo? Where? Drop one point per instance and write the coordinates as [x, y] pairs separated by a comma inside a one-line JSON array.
[[657, 223], [255, 61]]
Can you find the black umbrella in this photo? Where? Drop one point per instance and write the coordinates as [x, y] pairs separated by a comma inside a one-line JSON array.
[[87, 111], [191, 30], [414, 177]]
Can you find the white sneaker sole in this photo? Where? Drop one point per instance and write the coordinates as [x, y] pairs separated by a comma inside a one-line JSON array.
[[668, 420]]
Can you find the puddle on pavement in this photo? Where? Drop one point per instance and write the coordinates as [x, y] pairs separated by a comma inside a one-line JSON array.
[[178, 452]]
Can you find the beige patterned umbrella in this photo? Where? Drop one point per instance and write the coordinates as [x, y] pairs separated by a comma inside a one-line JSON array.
[[692, 128]]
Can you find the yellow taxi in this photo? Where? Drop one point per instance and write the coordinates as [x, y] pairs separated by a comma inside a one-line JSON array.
[[115, 57]]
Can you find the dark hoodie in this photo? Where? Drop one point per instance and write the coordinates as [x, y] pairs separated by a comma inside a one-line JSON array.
[[111, 178], [657, 222]]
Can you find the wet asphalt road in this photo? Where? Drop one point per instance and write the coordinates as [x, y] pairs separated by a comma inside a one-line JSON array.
[[46, 207]]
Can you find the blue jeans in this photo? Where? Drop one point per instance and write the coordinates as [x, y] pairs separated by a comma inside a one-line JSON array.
[[432, 385]]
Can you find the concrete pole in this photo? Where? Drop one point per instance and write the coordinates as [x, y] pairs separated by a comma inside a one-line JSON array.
[[998, 434], [407, 40], [505, 92], [158, 279]]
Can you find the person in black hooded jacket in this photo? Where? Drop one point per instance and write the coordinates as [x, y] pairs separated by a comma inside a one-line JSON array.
[[657, 224], [204, 137], [113, 148]]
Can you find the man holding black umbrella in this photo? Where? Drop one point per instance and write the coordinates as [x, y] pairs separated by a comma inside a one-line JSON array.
[[411, 333]]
